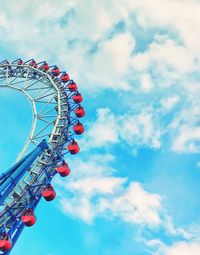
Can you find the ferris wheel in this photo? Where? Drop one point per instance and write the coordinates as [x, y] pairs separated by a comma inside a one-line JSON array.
[[56, 113]]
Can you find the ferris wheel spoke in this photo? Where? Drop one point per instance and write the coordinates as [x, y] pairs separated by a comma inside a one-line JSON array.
[[46, 95], [47, 116], [46, 106], [42, 136], [45, 102], [35, 89], [41, 130], [32, 84], [18, 82], [44, 120]]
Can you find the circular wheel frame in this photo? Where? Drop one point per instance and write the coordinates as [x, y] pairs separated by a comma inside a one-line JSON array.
[[53, 119]]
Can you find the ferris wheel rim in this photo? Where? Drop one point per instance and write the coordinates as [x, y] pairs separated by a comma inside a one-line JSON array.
[[59, 146]]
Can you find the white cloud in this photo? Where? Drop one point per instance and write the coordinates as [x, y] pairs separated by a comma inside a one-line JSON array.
[[141, 130], [2, 21], [183, 248], [136, 205], [146, 128], [170, 102], [103, 131], [134, 130], [184, 128], [146, 83], [111, 62], [96, 185], [182, 16], [103, 195], [187, 140], [189, 242], [167, 60]]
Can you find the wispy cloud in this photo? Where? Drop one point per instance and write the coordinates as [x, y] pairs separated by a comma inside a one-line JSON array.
[[93, 192], [132, 130]]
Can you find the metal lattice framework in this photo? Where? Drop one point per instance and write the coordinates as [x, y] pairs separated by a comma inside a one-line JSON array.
[[54, 116]]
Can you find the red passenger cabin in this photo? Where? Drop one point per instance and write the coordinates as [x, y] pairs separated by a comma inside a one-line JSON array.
[[78, 128], [33, 63], [29, 218], [55, 71], [65, 77], [72, 86], [73, 147], [44, 66], [80, 112], [5, 243], [20, 62], [77, 97], [63, 169], [48, 193]]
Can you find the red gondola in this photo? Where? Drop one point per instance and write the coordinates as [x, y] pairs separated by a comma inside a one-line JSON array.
[[72, 86], [20, 62], [33, 63], [73, 147], [48, 193], [63, 169], [29, 218], [77, 97], [78, 128], [80, 112], [55, 71], [5, 243], [65, 77], [44, 66]]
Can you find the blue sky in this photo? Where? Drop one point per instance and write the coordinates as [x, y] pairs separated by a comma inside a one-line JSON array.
[[134, 187]]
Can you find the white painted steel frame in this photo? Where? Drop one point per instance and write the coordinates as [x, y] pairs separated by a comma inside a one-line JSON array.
[[58, 98]]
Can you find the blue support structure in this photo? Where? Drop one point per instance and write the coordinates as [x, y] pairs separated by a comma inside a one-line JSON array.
[[19, 170], [6, 174], [17, 229], [10, 179]]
